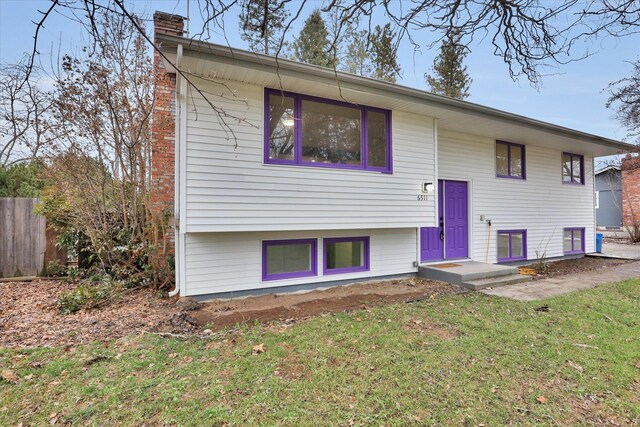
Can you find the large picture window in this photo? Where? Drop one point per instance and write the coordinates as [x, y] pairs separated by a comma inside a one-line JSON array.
[[346, 255], [285, 259], [310, 131], [572, 168], [512, 245], [510, 160], [573, 241]]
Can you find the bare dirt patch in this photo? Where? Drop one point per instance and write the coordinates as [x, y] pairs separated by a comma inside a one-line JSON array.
[[444, 332], [222, 313], [29, 316], [572, 266]]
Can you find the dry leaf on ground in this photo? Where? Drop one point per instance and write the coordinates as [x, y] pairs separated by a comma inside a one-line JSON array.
[[575, 366], [32, 306], [9, 376], [541, 399], [257, 349]]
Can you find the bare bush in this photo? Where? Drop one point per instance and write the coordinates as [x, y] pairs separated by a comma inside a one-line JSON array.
[[98, 178]]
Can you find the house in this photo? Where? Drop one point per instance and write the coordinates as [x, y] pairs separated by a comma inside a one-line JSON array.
[[608, 199], [302, 177], [630, 167]]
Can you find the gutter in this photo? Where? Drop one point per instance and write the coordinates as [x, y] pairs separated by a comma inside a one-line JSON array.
[[271, 64]]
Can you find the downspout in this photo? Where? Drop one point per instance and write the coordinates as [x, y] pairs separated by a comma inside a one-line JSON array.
[[436, 217], [592, 174], [176, 178]]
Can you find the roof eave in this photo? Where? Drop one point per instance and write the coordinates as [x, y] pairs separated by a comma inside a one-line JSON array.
[[240, 55]]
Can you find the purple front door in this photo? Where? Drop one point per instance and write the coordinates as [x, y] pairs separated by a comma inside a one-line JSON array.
[[450, 239], [431, 247], [456, 220]]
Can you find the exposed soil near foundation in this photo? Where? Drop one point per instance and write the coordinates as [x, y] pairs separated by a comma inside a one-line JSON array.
[[572, 266], [29, 316], [222, 313]]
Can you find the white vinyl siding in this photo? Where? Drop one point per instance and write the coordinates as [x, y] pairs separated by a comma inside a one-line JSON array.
[[230, 188], [226, 262], [541, 204]]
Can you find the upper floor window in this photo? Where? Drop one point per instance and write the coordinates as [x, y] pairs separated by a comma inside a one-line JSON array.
[[510, 160], [572, 168], [310, 131]]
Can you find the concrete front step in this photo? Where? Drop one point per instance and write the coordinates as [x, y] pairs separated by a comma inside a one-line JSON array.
[[495, 282], [459, 273]]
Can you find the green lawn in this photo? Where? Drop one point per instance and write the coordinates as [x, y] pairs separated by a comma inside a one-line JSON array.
[[458, 360]]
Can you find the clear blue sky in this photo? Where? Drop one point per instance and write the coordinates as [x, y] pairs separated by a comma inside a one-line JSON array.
[[574, 96]]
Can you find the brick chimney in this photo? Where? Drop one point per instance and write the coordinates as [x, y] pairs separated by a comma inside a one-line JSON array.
[[163, 130], [630, 190]]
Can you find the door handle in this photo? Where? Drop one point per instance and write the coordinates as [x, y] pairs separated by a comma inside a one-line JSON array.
[[442, 235]]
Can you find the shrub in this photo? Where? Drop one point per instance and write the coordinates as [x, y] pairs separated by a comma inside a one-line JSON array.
[[91, 292], [55, 269], [540, 267]]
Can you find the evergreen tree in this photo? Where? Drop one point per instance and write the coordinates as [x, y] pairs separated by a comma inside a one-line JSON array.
[[261, 22], [312, 45], [22, 179], [385, 63], [450, 76], [357, 59]]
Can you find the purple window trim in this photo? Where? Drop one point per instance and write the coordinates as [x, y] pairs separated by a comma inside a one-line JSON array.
[[572, 155], [573, 250], [293, 274], [524, 245], [523, 155], [297, 132], [366, 246]]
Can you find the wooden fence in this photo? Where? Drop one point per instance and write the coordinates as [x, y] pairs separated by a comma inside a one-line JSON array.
[[25, 242]]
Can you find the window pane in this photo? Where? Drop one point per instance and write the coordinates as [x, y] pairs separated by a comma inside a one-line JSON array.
[[502, 159], [345, 254], [288, 258], [516, 161], [567, 241], [377, 139], [577, 240], [281, 125], [517, 245], [576, 169], [566, 168], [330, 133], [503, 245]]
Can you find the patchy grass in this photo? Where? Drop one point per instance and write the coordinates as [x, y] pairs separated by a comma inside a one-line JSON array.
[[457, 360]]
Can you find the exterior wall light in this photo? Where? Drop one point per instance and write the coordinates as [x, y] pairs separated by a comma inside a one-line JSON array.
[[428, 187]]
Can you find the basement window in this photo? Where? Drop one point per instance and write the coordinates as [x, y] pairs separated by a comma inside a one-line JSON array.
[[512, 245], [310, 131], [573, 241], [286, 259], [346, 255]]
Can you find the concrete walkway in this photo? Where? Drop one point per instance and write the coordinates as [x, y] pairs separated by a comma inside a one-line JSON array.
[[545, 288], [619, 250]]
